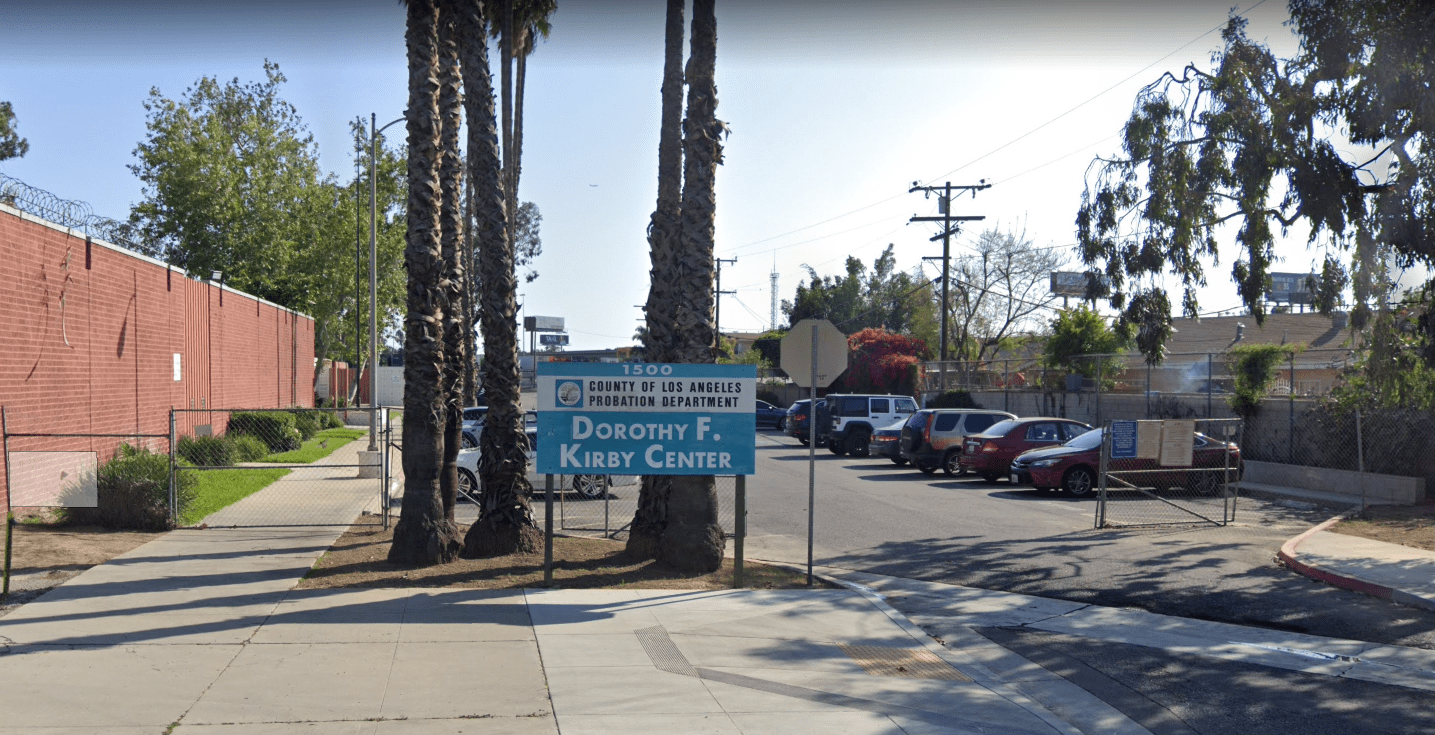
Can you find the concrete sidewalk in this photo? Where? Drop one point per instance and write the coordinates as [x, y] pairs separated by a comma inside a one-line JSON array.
[[1389, 571]]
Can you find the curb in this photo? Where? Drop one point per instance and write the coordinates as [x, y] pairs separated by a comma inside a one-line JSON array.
[[1288, 556]]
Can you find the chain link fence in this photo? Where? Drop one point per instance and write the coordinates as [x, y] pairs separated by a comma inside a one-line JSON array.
[[272, 467], [1178, 471]]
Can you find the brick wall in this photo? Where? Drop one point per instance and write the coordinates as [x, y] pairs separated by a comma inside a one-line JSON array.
[[89, 334]]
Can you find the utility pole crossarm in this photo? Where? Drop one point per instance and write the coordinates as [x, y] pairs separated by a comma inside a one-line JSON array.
[[947, 220], [944, 219]]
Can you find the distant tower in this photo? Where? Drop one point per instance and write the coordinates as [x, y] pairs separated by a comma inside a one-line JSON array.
[[773, 324]]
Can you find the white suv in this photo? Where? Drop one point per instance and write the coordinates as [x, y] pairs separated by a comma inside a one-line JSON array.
[[856, 417]]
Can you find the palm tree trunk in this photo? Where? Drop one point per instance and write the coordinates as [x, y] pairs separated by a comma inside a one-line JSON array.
[[505, 52], [451, 218], [693, 539], [663, 232], [423, 535], [505, 523]]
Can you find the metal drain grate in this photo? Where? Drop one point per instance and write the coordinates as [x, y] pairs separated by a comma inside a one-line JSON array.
[[905, 663], [663, 652]]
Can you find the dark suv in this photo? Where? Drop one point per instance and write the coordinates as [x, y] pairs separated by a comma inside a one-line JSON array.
[[796, 424], [932, 438], [855, 418]]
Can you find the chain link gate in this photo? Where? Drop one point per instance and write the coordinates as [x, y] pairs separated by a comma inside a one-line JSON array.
[[1169, 472], [272, 467]]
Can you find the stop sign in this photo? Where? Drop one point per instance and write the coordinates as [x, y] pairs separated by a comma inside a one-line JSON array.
[[798, 357]]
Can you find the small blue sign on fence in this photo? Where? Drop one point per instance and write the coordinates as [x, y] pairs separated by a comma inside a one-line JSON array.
[[646, 419], [1123, 439]]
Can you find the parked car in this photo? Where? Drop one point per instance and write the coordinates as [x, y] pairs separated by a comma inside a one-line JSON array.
[[797, 426], [473, 426], [932, 438], [990, 453], [770, 415], [856, 417], [1073, 466], [586, 486], [887, 442]]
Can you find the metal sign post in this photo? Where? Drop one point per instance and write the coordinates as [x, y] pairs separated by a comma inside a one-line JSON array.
[[814, 353], [812, 456]]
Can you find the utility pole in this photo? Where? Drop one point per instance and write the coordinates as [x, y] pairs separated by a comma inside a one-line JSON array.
[[944, 205], [717, 296]]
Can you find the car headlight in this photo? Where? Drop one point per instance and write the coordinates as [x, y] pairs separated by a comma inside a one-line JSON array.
[[1044, 462]]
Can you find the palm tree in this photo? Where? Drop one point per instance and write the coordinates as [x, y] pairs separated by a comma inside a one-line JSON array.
[[693, 539], [505, 523], [663, 231], [456, 322], [423, 535]]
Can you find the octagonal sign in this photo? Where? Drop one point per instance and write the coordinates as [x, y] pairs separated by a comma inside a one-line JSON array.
[[797, 354]]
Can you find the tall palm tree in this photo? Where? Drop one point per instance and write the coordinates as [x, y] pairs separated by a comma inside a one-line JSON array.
[[693, 539], [663, 232], [455, 322], [505, 523], [423, 535]]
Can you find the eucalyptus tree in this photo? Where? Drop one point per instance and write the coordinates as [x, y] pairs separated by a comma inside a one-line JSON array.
[[658, 333], [423, 534], [505, 523], [11, 144], [1255, 141]]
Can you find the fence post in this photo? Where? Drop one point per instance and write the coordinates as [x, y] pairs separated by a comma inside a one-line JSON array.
[[173, 499], [548, 531], [1006, 386], [9, 516], [1210, 383], [740, 529], [1360, 458], [1098, 392], [1290, 439], [1148, 390]]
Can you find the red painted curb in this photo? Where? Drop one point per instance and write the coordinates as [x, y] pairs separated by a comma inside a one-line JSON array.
[[1287, 555]]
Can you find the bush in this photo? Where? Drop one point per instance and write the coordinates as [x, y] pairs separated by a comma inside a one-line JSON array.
[[134, 492], [206, 451], [248, 448], [954, 399], [330, 420], [277, 429], [308, 424]]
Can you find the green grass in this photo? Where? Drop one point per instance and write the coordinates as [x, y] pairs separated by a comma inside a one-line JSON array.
[[322, 445], [218, 489]]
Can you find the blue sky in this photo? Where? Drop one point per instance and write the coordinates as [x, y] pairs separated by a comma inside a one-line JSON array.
[[835, 109]]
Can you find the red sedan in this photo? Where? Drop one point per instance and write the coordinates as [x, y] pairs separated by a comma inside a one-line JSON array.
[[990, 453], [1073, 467]]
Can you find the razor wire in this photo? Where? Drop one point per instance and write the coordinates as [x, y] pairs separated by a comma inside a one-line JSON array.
[[70, 213]]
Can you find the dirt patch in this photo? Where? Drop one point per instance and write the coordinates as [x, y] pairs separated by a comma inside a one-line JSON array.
[[1407, 525], [44, 556], [357, 559]]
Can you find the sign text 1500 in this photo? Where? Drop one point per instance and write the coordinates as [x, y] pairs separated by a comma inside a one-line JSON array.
[[640, 369]]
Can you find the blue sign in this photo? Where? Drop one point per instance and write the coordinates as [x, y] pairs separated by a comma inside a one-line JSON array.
[[1123, 439], [646, 419]]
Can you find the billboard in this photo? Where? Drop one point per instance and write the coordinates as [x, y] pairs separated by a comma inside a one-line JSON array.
[[552, 339], [543, 323], [1290, 287], [1074, 284]]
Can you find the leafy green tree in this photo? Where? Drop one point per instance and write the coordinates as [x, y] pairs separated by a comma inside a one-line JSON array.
[[884, 297], [11, 144], [1254, 368], [1255, 141], [1081, 331]]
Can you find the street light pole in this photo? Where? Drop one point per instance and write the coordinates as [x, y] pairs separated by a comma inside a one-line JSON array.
[[374, 280]]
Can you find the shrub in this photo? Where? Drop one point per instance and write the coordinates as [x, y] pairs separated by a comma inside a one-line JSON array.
[[133, 490], [769, 396], [954, 399], [307, 422], [206, 451], [248, 448], [1254, 368], [330, 420], [276, 429]]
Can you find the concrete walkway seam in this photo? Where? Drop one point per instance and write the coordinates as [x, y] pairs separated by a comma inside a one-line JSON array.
[[1289, 555]]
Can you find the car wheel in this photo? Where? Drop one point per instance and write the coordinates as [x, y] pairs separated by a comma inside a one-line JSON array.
[[782, 424], [468, 441], [1206, 483], [857, 444], [468, 487], [802, 440], [590, 486], [836, 447], [899, 461], [1078, 482], [927, 469], [952, 464]]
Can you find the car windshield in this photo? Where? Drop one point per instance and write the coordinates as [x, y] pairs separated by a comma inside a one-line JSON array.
[[1001, 428], [1088, 440]]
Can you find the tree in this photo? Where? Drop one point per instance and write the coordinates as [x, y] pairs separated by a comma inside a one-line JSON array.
[[1255, 141], [505, 524], [1081, 331], [692, 539], [882, 362], [999, 291], [658, 334], [885, 298], [11, 144], [457, 326], [423, 535]]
